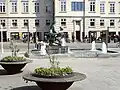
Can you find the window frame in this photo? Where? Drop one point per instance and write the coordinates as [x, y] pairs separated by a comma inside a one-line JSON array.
[[25, 7], [63, 22], [3, 22], [92, 6], [14, 7], [102, 7], [62, 5], [77, 6], [48, 22], [37, 22], [14, 23], [112, 7], [112, 21], [25, 22], [102, 23], [2, 7], [92, 22], [37, 8]]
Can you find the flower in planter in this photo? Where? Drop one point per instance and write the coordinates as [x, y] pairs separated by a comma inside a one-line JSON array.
[[54, 69], [14, 56]]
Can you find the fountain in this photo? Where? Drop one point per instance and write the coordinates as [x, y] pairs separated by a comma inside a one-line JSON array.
[[93, 46], [104, 48], [63, 42], [55, 44], [43, 48]]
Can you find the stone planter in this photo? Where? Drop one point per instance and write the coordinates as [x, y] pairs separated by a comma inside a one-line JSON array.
[[55, 83], [14, 67]]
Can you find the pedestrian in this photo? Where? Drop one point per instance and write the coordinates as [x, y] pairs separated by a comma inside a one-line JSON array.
[[73, 38]]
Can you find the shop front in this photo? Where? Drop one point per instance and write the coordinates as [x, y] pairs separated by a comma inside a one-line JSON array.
[[4, 36], [14, 36]]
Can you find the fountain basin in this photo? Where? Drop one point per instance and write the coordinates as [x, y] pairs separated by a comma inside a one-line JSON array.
[[86, 53], [57, 49], [80, 53]]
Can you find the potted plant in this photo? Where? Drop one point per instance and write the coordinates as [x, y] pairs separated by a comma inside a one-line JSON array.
[[13, 63], [54, 77]]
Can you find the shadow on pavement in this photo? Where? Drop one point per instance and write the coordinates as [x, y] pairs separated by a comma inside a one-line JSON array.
[[4, 72], [27, 88]]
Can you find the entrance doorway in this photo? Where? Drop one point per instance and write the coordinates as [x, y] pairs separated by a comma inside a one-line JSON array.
[[4, 36], [78, 35]]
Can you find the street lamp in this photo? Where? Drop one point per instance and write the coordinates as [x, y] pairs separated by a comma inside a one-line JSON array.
[[83, 33], [28, 37], [107, 31], [2, 50]]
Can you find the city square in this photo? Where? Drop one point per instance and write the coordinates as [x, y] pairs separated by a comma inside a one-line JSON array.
[[101, 73], [59, 44]]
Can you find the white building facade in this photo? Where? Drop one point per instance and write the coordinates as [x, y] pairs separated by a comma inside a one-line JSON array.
[[17, 17], [79, 18]]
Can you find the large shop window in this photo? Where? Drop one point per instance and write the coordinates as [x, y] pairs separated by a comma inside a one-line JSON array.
[[14, 35]]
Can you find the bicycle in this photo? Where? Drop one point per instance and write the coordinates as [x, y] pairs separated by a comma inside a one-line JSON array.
[[118, 44]]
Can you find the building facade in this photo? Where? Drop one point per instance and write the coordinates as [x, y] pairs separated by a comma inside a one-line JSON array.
[[78, 19], [18, 17], [86, 18]]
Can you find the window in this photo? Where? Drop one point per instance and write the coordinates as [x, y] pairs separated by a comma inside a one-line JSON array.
[[63, 22], [101, 22], [14, 6], [77, 6], [112, 23], [36, 22], [25, 23], [102, 7], [47, 22], [77, 22], [3, 23], [92, 6], [92, 22], [119, 7], [36, 7], [25, 7], [63, 5], [46, 8], [14, 23], [112, 7], [2, 7]]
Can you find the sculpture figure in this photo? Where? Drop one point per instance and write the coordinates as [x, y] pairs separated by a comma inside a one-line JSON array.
[[43, 48], [54, 38]]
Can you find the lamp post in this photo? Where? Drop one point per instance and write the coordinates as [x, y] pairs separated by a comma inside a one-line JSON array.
[[2, 50], [28, 37], [83, 33], [107, 31]]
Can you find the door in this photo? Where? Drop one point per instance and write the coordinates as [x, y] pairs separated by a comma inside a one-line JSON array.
[[4, 36], [78, 35]]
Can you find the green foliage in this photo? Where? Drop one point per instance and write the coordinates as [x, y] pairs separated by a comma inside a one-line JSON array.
[[13, 58], [53, 71], [13, 48]]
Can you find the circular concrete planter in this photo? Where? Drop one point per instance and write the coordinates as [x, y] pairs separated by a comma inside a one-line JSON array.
[[14, 67], [55, 83]]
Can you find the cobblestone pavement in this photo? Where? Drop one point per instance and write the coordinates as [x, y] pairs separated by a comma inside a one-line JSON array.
[[102, 73]]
